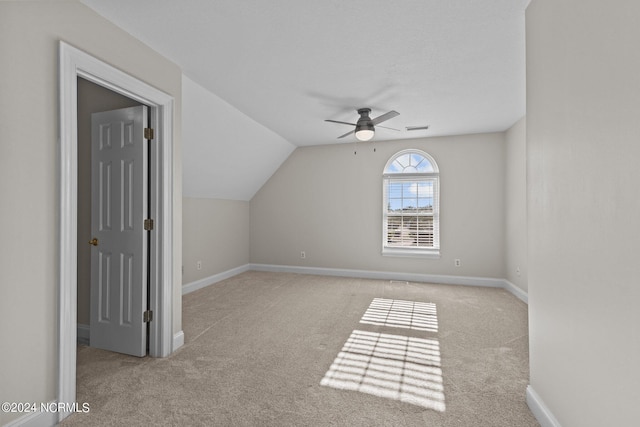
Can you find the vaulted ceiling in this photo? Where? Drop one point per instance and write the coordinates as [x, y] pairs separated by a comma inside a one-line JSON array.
[[260, 77], [455, 65]]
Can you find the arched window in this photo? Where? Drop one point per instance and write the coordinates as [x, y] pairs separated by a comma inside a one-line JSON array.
[[411, 205]]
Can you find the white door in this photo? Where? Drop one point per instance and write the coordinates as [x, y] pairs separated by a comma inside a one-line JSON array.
[[119, 251]]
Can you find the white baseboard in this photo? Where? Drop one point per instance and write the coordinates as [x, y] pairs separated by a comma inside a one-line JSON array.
[[364, 274], [519, 293], [540, 410], [36, 419], [388, 275], [199, 284], [383, 275], [178, 340], [83, 334]]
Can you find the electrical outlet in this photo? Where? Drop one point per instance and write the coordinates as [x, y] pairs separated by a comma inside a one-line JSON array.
[[199, 265], [303, 255], [457, 262]]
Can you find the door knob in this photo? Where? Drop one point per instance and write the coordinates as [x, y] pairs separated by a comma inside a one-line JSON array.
[[93, 242]]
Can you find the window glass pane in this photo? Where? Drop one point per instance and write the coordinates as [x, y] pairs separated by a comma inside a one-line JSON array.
[[424, 189], [408, 188], [412, 189], [395, 189], [394, 167], [421, 164], [394, 196], [408, 205], [394, 205], [425, 205], [410, 196], [404, 160], [410, 163]]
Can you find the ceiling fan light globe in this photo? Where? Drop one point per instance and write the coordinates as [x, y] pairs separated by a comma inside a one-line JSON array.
[[364, 134]]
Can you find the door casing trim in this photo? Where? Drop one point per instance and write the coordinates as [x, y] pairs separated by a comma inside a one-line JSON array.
[[74, 63]]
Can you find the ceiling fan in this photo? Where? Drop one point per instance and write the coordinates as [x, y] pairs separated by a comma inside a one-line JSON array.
[[364, 128]]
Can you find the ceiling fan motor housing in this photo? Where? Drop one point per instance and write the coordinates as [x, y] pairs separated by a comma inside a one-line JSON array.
[[364, 122], [364, 128]]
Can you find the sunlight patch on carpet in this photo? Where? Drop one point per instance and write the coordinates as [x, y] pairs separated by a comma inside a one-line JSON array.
[[391, 366], [421, 316]]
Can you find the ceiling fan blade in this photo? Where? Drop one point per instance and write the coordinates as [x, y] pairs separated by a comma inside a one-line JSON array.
[[391, 114], [385, 127], [342, 123], [346, 134]]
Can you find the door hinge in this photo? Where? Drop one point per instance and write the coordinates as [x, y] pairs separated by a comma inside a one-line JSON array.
[[147, 316], [148, 133], [148, 224]]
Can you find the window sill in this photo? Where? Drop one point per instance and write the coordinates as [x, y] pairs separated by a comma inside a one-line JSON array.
[[412, 253]]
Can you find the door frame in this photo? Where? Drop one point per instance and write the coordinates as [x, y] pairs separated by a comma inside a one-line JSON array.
[[75, 63]]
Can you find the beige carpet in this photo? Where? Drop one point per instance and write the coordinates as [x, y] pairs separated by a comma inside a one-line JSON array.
[[259, 345]]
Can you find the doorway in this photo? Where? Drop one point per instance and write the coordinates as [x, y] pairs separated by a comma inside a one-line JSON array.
[[92, 98], [75, 63]]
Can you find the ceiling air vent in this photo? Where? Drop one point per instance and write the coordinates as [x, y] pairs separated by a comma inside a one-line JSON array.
[[418, 127]]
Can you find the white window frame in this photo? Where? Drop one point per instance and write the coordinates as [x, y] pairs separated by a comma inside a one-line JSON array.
[[412, 251]]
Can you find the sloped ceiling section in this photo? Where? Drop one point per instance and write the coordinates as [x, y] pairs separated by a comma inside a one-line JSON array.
[[455, 65], [226, 155]]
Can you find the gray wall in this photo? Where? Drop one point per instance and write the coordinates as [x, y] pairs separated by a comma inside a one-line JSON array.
[[215, 232], [516, 204], [91, 99], [326, 201], [29, 175], [583, 146]]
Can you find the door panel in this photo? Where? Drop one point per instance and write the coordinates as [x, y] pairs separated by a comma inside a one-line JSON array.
[[118, 209]]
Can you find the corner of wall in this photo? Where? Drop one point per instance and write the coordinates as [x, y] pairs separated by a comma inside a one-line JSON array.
[[515, 190], [539, 410]]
